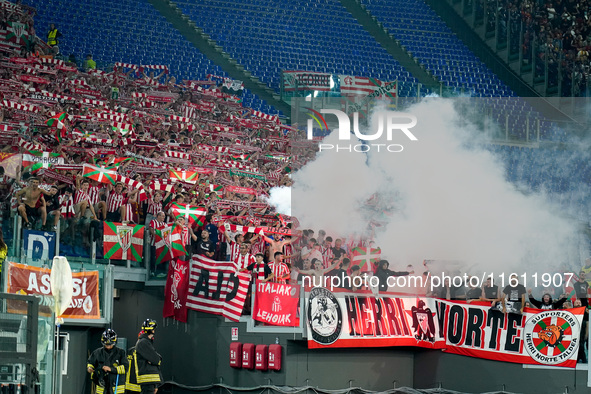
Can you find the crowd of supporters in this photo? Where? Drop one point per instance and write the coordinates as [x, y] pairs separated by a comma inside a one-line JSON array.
[[123, 144], [82, 146], [554, 35]]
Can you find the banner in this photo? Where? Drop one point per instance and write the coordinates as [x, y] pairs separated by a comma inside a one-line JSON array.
[[241, 190], [347, 320], [28, 280], [50, 174], [365, 259], [39, 245], [34, 161], [276, 304], [191, 213], [169, 243], [549, 337], [175, 292], [352, 85], [344, 319], [215, 287], [305, 80], [123, 241]]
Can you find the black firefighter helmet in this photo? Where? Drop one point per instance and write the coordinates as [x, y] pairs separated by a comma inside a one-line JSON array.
[[149, 325], [109, 337]]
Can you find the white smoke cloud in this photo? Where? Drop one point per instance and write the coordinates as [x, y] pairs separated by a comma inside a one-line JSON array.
[[450, 197], [280, 198], [328, 192]]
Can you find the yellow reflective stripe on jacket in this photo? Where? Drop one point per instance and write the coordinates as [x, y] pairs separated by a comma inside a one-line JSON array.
[[130, 387], [121, 369], [148, 378], [101, 390]]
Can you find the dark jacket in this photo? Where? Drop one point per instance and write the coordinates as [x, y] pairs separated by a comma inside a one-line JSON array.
[[552, 305], [131, 384], [148, 361], [384, 274], [116, 360]]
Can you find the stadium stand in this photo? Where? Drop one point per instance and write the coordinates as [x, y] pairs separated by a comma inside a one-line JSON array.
[[428, 39], [127, 35], [340, 46]]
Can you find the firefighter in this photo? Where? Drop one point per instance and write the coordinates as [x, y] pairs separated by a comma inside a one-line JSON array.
[[107, 365], [147, 359], [131, 384]]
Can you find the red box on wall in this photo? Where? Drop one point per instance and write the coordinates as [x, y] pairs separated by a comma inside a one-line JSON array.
[[236, 355], [248, 355], [261, 354], [274, 363]]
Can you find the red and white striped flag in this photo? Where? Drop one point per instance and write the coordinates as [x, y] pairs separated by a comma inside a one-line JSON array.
[[352, 85], [204, 295]]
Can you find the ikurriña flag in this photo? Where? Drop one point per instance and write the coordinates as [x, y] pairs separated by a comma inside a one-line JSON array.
[[123, 241], [35, 160], [169, 244], [365, 257], [191, 213], [185, 176], [99, 174]]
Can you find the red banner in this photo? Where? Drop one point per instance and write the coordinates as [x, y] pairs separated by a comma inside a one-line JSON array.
[[339, 318], [66, 68], [50, 174], [175, 292], [277, 304], [87, 92], [29, 280], [34, 79], [240, 189], [22, 60]]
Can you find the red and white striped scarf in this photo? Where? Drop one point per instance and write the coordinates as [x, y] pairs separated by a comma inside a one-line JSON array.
[[67, 206], [31, 145], [236, 228]]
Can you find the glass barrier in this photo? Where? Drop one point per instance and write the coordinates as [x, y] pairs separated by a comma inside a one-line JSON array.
[[26, 349]]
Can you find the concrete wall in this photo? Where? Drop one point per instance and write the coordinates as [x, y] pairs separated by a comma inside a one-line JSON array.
[[468, 374], [197, 354]]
